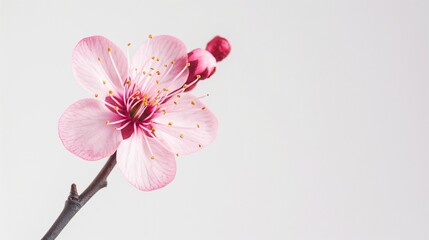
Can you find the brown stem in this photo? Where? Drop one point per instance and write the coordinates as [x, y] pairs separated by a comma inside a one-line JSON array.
[[75, 201]]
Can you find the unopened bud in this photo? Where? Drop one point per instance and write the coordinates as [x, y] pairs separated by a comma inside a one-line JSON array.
[[202, 63], [219, 47], [202, 66]]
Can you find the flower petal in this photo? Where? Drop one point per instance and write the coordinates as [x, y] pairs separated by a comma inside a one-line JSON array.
[[134, 158], [186, 125], [99, 65], [83, 130], [163, 60]]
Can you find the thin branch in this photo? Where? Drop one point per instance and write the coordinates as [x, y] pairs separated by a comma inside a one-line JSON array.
[[75, 201]]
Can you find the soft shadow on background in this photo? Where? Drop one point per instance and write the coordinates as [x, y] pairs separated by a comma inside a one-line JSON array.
[[323, 111]]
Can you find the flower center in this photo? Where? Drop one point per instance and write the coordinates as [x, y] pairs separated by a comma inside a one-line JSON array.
[[141, 109]]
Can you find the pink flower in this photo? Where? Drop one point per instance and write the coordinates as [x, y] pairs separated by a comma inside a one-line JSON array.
[[140, 109]]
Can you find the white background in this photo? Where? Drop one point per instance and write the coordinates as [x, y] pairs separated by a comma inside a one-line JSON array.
[[323, 111]]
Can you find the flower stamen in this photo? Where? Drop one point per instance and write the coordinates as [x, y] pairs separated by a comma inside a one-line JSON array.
[[148, 146], [115, 122], [175, 78], [105, 75], [123, 126], [114, 65], [128, 58], [203, 96], [115, 100], [153, 136], [181, 90]]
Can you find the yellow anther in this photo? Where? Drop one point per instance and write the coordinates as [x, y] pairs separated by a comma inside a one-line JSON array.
[[181, 136], [110, 92], [199, 145], [164, 111], [157, 59], [150, 74], [150, 36], [165, 89], [157, 81], [128, 82], [158, 104], [116, 108], [107, 122], [185, 86], [158, 72], [138, 93], [170, 123], [129, 44], [203, 108], [198, 76], [177, 155], [99, 59], [152, 68], [152, 157], [153, 57], [109, 49], [198, 125], [152, 103], [138, 97], [188, 64], [104, 82], [159, 91], [172, 62], [156, 98], [193, 103], [96, 95], [165, 65], [153, 130], [178, 95], [175, 103], [145, 95], [144, 72]]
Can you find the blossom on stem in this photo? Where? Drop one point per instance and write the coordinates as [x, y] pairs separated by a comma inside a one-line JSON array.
[[140, 109]]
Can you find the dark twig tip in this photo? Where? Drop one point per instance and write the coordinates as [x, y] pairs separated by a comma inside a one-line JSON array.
[[74, 195], [73, 188]]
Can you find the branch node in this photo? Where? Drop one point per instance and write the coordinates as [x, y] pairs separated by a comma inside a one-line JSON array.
[[76, 201]]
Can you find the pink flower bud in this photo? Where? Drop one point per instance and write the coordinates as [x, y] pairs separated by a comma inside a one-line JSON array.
[[202, 66], [219, 47], [202, 63]]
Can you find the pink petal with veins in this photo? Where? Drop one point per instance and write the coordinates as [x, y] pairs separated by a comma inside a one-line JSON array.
[[99, 65], [161, 62], [145, 163], [84, 132], [187, 126]]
